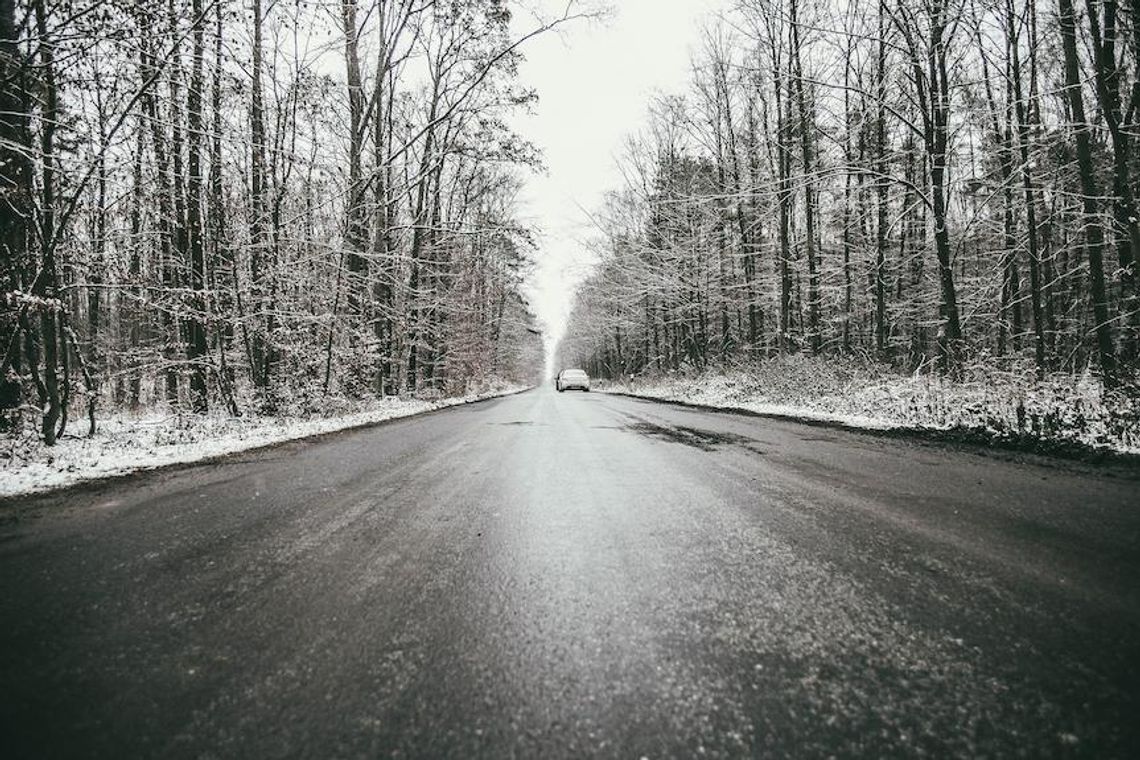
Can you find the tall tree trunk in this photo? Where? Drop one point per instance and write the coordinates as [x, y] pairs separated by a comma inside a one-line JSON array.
[[751, 234], [933, 89], [175, 344], [381, 241], [848, 181], [807, 134], [16, 208], [728, 174], [355, 225], [260, 357], [46, 284], [1094, 236], [1023, 140], [135, 314], [196, 349], [99, 234], [165, 180], [882, 187], [784, 192], [220, 263], [420, 233]]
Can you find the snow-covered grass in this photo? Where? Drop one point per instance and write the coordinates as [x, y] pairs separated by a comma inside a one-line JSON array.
[[1010, 406], [125, 443]]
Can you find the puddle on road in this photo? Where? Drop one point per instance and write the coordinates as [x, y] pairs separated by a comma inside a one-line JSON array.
[[705, 440]]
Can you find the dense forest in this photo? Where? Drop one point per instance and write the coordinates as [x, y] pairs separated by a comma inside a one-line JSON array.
[[937, 185], [251, 206]]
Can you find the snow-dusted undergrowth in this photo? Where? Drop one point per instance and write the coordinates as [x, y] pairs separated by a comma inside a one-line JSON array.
[[1004, 405], [126, 443]]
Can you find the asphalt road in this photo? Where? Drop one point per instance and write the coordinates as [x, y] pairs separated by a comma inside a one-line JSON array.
[[558, 575]]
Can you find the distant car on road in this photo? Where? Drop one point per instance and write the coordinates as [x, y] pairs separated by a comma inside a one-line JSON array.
[[572, 378]]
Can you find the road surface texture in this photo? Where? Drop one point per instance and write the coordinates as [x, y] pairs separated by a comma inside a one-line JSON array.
[[557, 575]]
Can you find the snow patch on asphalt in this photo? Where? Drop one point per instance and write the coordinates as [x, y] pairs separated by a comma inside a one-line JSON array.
[[127, 443]]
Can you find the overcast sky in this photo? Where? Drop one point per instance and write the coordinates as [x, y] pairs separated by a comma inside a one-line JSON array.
[[594, 83]]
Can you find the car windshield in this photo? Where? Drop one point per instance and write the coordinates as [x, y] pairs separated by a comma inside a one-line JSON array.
[[574, 373]]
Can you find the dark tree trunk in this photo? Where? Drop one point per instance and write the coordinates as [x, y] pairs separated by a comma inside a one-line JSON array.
[[882, 189], [196, 348], [259, 343], [16, 208], [46, 286], [1023, 139], [807, 134], [937, 139], [1094, 235]]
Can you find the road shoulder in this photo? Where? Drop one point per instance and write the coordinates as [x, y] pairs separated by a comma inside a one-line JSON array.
[[1072, 455], [125, 448]]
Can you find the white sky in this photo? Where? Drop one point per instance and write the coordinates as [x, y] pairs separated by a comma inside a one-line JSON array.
[[594, 83]]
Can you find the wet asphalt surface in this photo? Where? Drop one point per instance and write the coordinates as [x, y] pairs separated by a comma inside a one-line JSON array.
[[558, 575]]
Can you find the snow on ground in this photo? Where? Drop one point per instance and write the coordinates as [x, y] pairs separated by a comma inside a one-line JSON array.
[[124, 443], [1009, 405]]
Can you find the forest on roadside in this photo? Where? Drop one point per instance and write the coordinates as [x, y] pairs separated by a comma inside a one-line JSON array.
[[258, 206], [939, 187]]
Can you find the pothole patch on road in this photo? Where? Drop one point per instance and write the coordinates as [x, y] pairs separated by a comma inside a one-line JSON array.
[[705, 440]]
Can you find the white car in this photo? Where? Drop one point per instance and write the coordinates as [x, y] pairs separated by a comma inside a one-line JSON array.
[[572, 378]]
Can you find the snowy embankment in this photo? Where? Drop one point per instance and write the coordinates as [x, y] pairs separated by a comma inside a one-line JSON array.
[[124, 443], [1057, 414]]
